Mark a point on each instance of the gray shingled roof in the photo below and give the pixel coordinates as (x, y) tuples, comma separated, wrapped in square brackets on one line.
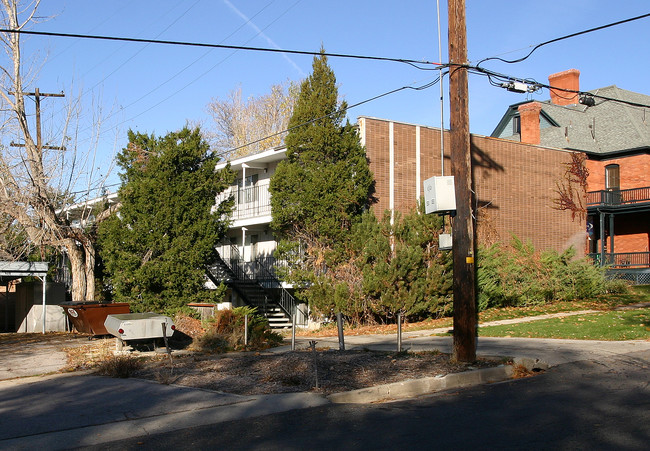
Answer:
[(606, 127)]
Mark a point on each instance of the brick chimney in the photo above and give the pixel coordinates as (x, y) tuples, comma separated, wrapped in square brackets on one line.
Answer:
[(529, 122), (569, 79)]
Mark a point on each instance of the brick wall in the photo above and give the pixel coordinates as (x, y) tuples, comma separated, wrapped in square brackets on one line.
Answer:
[(631, 230), (515, 183), (634, 172)]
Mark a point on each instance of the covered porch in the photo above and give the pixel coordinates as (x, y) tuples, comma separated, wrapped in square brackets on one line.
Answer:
[(618, 225)]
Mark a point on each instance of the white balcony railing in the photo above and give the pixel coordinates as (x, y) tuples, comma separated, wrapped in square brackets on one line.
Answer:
[(250, 202)]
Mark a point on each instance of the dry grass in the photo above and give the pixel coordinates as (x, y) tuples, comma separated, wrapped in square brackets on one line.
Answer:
[(121, 366), (323, 371), (90, 355)]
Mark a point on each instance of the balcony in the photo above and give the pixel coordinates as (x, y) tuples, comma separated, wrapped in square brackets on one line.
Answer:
[(623, 259), (250, 202), (615, 198)]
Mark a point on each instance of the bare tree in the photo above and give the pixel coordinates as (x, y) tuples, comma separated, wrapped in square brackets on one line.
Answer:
[(245, 127), (36, 179)]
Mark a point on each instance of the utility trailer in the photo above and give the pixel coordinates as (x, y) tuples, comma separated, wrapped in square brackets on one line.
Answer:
[(139, 326)]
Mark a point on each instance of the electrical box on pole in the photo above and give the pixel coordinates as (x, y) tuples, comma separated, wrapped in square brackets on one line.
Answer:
[(439, 195)]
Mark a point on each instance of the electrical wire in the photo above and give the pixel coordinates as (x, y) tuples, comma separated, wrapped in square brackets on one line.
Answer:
[(206, 53), (561, 38), (203, 74), (502, 78), (334, 113), (214, 46)]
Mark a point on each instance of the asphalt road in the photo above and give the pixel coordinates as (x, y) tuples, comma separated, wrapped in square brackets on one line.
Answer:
[(588, 404)]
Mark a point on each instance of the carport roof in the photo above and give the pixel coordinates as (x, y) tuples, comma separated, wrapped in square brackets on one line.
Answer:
[(14, 270)]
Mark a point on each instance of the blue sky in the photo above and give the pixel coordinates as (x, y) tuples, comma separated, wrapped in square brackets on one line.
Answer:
[(155, 89)]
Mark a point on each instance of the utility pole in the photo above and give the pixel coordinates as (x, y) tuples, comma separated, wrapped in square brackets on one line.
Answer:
[(37, 98), (464, 276)]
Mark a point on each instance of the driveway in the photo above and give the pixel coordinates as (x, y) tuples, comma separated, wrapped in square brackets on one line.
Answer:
[(34, 354)]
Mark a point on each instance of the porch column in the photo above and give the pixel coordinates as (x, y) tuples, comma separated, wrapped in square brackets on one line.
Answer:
[(611, 235), (602, 237), (243, 243)]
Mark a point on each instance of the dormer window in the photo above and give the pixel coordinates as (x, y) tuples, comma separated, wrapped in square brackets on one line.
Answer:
[(516, 125)]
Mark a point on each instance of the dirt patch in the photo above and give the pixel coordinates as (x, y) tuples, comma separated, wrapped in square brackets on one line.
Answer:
[(248, 373), (300, 371)]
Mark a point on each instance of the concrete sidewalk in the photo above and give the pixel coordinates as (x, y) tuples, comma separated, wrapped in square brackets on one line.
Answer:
[(551, 351)]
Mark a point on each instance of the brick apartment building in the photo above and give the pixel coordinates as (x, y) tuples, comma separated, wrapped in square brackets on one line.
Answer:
[(515, 183), (611, 127), (515, 186)]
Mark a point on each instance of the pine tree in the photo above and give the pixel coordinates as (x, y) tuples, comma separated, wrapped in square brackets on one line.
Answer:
[(325, 183), (156, 248)]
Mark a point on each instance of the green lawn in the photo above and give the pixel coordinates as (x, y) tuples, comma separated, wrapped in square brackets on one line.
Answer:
[(637, 294), (609, 325)]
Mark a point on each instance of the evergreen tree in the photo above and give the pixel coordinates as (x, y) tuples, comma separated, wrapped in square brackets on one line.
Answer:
[(156, 248), (386, 268), (325, 183)]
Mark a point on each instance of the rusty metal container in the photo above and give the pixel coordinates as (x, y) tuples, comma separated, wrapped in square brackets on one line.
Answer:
[(89, 317)]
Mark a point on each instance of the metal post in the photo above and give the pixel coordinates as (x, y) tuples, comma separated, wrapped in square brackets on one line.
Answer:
[(246, 330), (6, 329), (293, 332), (312, 346), (44, 306), (399, 332), (164, 332), (339, 321)]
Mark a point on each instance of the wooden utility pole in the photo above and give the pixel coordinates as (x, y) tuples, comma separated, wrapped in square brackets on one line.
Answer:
[(37, 98), (464, 283)]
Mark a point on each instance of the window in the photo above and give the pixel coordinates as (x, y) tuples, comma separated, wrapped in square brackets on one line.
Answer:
[(612, 177), (516, 125), (247, 191)]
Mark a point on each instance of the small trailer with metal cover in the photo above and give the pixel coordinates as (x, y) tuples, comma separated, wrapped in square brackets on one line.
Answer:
[(139, 326)]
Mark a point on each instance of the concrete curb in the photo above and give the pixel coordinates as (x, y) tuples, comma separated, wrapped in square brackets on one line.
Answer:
[(417, 387)]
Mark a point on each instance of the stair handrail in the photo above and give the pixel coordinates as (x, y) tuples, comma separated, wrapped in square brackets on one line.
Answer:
[(235, 263), (286, 301)]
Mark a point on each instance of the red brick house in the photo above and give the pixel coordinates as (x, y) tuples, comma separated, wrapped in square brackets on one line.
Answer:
[(611, 127)]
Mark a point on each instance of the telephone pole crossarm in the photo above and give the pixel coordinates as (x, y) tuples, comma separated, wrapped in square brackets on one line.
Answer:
[(37, 98)]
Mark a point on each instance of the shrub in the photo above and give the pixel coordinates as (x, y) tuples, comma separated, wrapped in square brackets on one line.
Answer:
[(383, 268), (225, 331), (520, 276), (121, 366), (617, 286)]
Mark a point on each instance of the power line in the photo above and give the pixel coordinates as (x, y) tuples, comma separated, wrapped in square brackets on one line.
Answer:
[(561, 38), (338, 111), (207, 52), (491, 75), (334, 113), (214, 46)]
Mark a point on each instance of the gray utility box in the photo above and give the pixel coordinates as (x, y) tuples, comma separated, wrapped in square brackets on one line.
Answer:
[(139, 326), (439, 194)]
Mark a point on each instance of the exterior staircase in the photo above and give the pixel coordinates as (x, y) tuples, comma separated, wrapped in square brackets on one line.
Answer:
[(257, 286)]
